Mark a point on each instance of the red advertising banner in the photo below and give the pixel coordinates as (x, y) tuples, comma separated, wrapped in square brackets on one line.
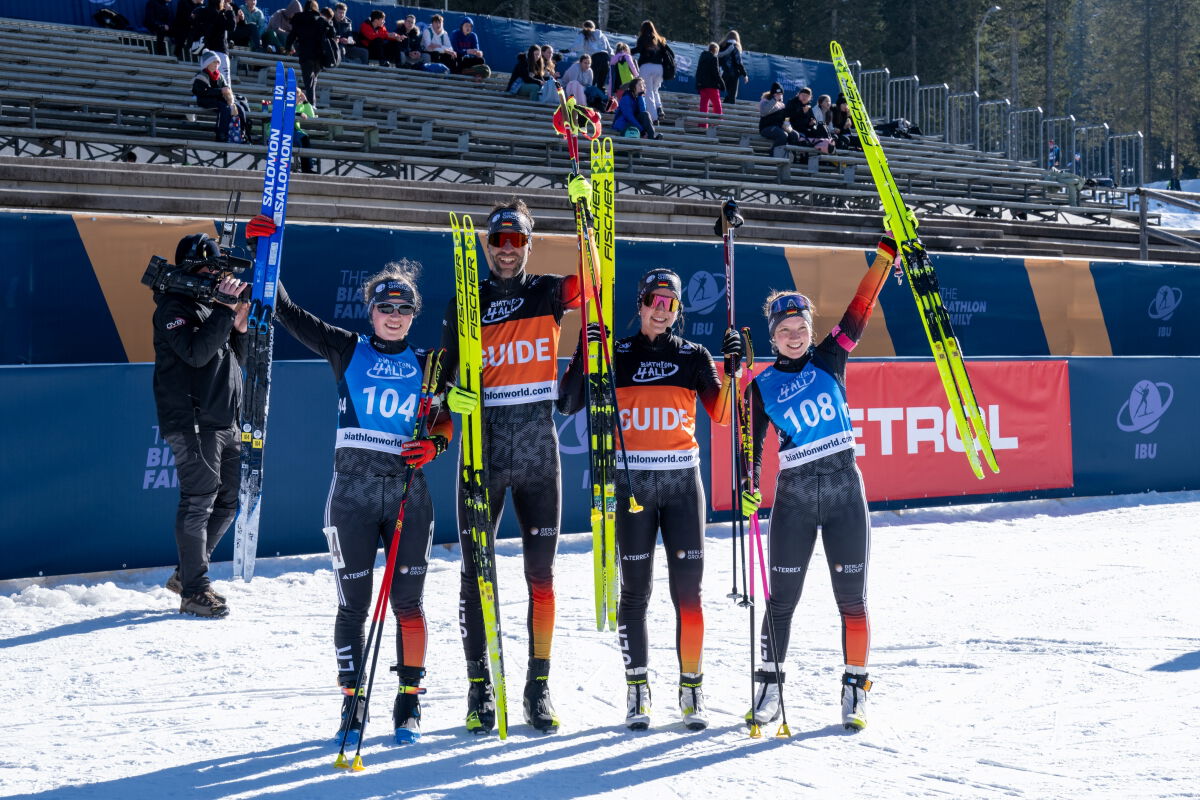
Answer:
[(908, 446)]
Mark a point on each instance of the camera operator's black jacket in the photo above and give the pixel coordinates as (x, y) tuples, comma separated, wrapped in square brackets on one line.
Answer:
[(198, 360)]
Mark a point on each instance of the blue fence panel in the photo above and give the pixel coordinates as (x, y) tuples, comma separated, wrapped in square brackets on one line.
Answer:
[(1133, 424), (1149, 309)]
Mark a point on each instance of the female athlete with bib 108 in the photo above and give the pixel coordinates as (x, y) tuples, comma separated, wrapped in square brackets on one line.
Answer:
[(803, 394), (659, 376)]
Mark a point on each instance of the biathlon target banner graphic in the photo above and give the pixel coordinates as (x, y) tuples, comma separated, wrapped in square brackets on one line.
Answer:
[(906, 441)]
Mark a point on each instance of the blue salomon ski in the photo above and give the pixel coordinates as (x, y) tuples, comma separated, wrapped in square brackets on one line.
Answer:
[(260, 341)]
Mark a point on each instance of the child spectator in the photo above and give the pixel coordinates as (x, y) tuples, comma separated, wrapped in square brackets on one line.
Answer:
[(632, 114), (251, 22), (305, 110), (211, 91), (623, 70), (469, 57), (435, 42), (709, 81)]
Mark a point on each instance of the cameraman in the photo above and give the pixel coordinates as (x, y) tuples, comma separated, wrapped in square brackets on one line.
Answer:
[(199, 346)]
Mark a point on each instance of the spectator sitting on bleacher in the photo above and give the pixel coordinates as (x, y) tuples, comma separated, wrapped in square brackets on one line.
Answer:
[(181, 28), (550, 60), (528, 74), (343, 32), (215, 22), (279, 26), (804, 122), (382, 45), (709, 81), (251, 22), (410, 43), (158, 22), (821, 111), (305, 110), (732, 66), (311, 34), (621, 71), (773, 121), (212, 91), (469, 59), (435, 42), (579, 83), (591, 41), (632, 114)]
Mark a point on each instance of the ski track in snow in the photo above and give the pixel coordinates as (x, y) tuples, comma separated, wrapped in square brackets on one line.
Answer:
[(1041, 649)]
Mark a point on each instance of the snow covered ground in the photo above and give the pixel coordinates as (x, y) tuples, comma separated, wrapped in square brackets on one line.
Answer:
[(1173, 216), (1045, 649)]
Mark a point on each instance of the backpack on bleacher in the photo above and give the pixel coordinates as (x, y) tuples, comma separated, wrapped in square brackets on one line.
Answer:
[(231, 127), (435, 68)]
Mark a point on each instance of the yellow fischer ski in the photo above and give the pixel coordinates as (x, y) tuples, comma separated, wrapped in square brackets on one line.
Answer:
[(918, 268), (479, 522)]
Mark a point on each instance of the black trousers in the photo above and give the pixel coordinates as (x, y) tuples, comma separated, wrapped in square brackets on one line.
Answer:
[(209, 467), (309, 70)]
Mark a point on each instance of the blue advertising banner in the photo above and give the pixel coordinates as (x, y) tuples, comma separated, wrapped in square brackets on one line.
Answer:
[(1150, 308), (1133, 424), (87, 484)]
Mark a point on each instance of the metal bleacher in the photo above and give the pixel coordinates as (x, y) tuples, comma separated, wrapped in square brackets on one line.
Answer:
[(405, 145)]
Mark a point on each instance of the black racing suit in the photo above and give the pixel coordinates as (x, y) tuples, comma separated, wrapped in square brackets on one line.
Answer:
[(360, 512), (657, 385), (198, 394), (818, 491), (520, 320)]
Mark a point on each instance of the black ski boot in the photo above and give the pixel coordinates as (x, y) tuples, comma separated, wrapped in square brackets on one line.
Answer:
[(538, 711), (406, 713), (481, 699), (353, 723)]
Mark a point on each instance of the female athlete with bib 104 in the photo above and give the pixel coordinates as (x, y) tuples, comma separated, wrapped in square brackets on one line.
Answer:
[(803, 394)]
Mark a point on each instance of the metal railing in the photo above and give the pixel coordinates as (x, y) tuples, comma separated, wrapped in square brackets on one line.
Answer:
[(1025, 134), (872, 85), (902, 98), (991, 126), (1125, 158), (1185, 200), (1091, 147), (1058, 132), (933, 113), (962, 119)]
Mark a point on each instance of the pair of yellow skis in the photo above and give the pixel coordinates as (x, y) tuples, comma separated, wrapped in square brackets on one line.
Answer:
[(918, 268)]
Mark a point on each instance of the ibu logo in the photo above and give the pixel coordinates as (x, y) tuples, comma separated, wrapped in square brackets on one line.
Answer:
[(1165, 301), (703, 292), (502, 309), (387, 370), (1143, 411), (649, 371)]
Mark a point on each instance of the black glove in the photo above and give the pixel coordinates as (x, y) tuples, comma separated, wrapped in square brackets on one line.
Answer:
[(731, 348), (593, 333)]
